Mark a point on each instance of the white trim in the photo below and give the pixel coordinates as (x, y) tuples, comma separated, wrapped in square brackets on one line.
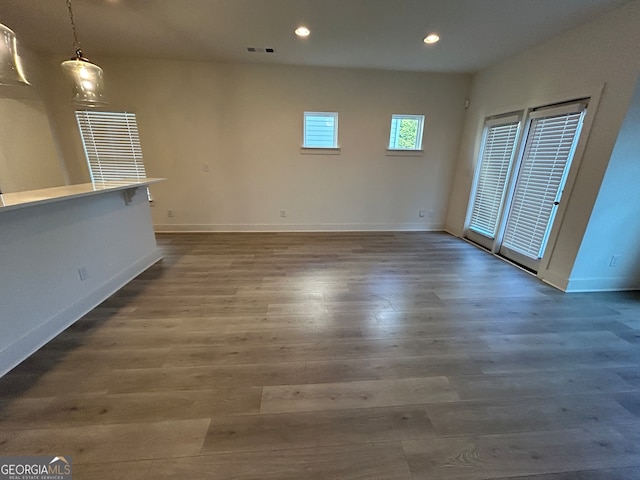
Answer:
[(544, 112), (453, 231), (603, 284), (494, 120), (419, 118), (319, 151), (307, 114), (403, 153), (292, 227), (28, 344), (553, 279)]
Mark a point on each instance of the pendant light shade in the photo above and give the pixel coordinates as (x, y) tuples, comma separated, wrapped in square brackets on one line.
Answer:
[(86, 77), (11, 72), (87, 81)]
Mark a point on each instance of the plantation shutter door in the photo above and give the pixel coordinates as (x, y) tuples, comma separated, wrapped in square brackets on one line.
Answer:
[(546, 159), (498, 149), (112, 145)]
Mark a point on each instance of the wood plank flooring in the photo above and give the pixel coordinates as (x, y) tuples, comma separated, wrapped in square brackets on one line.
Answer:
[(372, 356)]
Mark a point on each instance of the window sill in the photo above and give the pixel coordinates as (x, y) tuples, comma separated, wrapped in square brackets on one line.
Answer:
[(404, 153), (319, 151)]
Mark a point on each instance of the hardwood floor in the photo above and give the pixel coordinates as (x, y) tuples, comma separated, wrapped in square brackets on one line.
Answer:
[(336, 356)]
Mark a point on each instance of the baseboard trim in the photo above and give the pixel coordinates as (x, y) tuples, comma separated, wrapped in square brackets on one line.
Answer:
[(603, 285), (28, 344), (316, 227), (557, 281)]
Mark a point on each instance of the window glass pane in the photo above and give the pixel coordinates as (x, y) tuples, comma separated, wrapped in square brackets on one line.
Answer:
[(406, 132), (320, 130), (497, 153)]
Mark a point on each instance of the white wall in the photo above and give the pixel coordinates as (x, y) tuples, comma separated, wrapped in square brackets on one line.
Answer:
[(575, 64), (615, 222), (41, 249), (245, 123)]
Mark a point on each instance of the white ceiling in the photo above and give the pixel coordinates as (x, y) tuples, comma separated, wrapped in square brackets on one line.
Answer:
[(384, 34)]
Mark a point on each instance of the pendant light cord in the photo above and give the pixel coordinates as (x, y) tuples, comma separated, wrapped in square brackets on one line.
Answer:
[(76, 42)]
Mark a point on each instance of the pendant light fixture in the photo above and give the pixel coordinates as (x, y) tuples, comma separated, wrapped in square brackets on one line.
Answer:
[(11, 72), (87, 77)]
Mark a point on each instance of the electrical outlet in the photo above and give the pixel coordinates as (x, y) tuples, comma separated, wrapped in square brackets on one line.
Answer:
[(83, 272), (421, 213), (283, 213), (205, 167), (614, 261), (430, 214), (169, 213)]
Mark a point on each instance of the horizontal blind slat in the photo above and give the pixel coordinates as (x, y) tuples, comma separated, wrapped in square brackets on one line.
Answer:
[(112, 145), (545, 160), (495, 161)]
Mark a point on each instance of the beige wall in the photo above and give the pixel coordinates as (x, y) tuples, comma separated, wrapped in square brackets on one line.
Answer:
[(29, 159), (244, 124), (578, 63)]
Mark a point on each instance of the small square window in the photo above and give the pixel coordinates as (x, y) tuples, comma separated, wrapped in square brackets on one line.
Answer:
[(320, 130), (406, 132)]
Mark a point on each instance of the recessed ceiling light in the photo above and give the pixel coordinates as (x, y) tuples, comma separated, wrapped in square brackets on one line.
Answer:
[(431, 38), (303, 31)]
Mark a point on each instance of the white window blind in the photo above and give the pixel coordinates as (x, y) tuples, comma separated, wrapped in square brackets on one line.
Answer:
[(497, 151), (548, 153), (406, 132), (320, 130), (111, 145)]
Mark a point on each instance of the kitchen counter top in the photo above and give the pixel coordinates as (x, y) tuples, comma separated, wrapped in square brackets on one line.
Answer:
[(12, 201)]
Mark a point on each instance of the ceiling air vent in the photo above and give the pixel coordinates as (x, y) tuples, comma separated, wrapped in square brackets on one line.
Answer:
[(260, 50)]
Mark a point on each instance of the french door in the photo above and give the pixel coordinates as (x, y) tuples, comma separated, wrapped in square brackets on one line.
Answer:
[(526, 200), (494, 168)]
